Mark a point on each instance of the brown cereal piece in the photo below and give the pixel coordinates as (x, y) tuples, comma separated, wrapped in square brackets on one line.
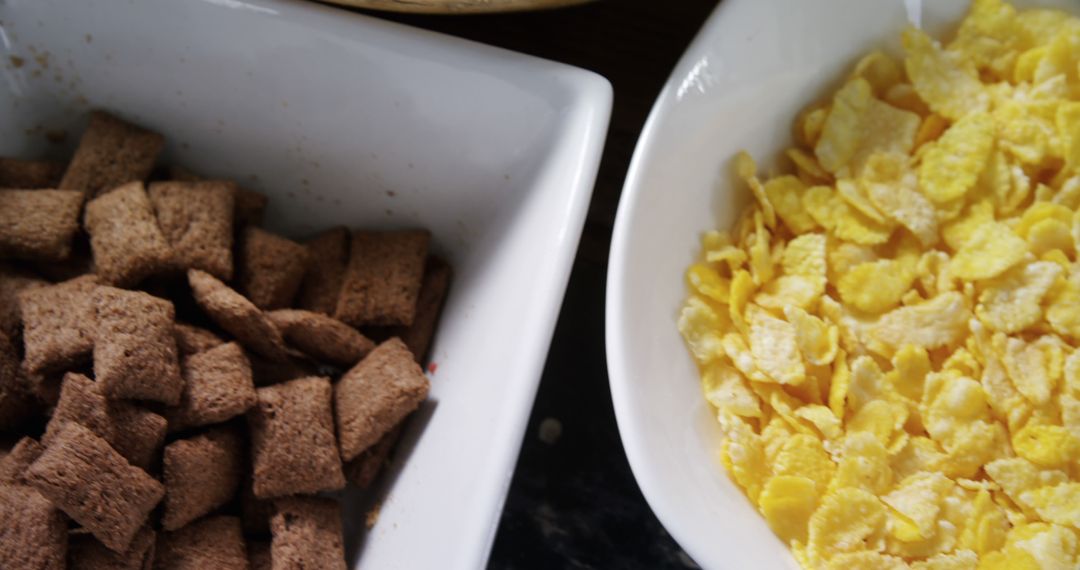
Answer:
[(30, 174), (86, 553), (234, 313), (13, 280), (201, 474), (363, 470), (13, 466), (293, 448), (127, 243), (135, 354), (87, 479), (375, 395), (328, 254), (197, 220), (217, 386), (259, 555), (213, 542), (429, 304), (134, 432), (269, 268), (321, 337), (58, 324), (16, 404), (191, 339), (33, 533), (250, 208), (383, 278), (38, 224), (111, 152), (307, 534)]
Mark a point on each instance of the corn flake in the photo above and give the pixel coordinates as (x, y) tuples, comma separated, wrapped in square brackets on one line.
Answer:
[(1013, 301), (951, 165), (848, 521), (949, 86), (990, 251), (788, 501)]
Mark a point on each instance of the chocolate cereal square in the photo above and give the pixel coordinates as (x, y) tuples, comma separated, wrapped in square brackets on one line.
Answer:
[(86, 553), (363, 470), (429, 304), (217, 386), (197, 220), (307, 534), (30, 174), (135, 355), (134, 432), (383, 278), (12, 281), (111, 152), (213, 542), (125, 238), (328, 254), (58, 324), (321, 337), (293, 448), (13, 465), (270, 268), (234, 313), (375, 395), (201, 474), (33, 533), (38, 224), (87, 479), (191, 339)]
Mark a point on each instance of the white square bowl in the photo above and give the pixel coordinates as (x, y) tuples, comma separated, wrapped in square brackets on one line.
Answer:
[(754, 66), (345, 119)]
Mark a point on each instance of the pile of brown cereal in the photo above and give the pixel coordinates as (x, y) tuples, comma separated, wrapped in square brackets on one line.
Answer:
[(181, 388)]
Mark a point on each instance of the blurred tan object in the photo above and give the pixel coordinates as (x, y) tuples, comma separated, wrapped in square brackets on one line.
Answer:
[(458, 6)]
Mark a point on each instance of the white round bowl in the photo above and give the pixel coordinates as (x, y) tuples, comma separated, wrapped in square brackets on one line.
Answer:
[(754, 66)]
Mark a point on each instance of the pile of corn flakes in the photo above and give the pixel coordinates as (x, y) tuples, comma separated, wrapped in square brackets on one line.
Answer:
[(890, 334)]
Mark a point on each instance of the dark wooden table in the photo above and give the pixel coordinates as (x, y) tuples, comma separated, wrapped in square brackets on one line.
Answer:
[(573, 502)]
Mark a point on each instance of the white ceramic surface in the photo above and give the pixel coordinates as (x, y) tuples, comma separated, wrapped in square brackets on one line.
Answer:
[(754, 66), (344, 119)]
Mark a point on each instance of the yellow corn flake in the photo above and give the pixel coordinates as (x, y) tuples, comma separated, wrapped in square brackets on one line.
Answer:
[(708, 282), (1046, 445), (856, 198), (726, 388), (881, 418), (1049, 236), (1013, 301), (938, 322), (804, 455), (812, 124), (903, 96), (1052, 547), (834, 214), (731, 255), (848, 520), (986, 527), (901, 202), (1039, 212), (864, 464), (876, 286), (742, 287), (885, 129), (949, 86), (1017, 475), (990, 251), (747, 170), (1031, 368), (776, 352), (879, 70), (972, 446), (952, 164), (702, 327), (867, 560), (1059, 504), (789, 290), (915, 504), (818, 341), (839, 139), (762, 263), (1009, 559), (805, 256), (1027, 130), (1063, 310), (785, 195), (867, 382), (744, 455), (788, 501), (918, 454), (822, 418)]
